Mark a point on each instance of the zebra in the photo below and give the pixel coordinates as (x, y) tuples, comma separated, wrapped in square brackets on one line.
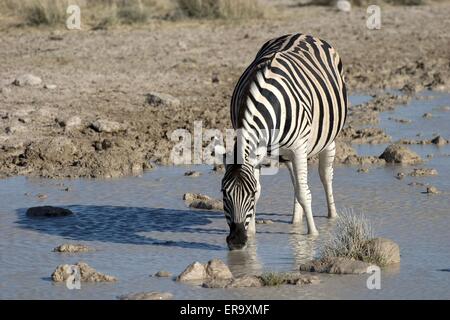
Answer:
[(294, 85)]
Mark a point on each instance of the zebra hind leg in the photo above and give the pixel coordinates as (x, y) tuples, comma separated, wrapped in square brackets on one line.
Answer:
[(300, 170), (326, 159), (297, 212)]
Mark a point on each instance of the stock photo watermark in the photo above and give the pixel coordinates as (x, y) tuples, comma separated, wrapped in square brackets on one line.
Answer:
[(74, 279), (228, 147), (373, 21), (374, 280)]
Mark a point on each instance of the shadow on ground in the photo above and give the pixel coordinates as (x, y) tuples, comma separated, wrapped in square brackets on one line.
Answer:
[(124, 225)]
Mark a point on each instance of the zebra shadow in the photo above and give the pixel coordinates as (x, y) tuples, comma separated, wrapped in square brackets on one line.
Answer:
[(131, 225)]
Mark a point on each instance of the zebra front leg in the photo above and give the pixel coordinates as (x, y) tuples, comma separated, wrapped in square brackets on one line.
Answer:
[(251, 229), (326, 159), (297, 212), (300, 169)]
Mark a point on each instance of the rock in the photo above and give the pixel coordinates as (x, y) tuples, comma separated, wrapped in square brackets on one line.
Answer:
[(70, 123), (439, 141), (147, 296), (200, 201), (264, 221), (432, 190), (163, 274), (362, 170), (41, 196), (388, 249), (216, 269), (397, 153), (400, 120), (107, 126), (418, 172), (50, 86), (48, 211), (162, 99), (27, 80), (337, 265), (193, 174), (195, 271), (400, 175), (219, 168), (87, 273), (5, 91), (344, 6), (72, 248), (215, 78), (216, 283), (245, 281), (427, 115)]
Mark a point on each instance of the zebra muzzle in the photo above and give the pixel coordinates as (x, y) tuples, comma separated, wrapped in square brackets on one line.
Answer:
[(237, 239)]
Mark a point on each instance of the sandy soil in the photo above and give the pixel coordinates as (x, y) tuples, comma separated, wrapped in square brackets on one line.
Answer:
[(106, 75)]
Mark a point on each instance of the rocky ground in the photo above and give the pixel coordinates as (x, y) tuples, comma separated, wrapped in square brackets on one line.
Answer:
[(100, 105)]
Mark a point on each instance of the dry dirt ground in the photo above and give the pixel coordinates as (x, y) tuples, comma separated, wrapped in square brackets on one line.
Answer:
[(106, 75)]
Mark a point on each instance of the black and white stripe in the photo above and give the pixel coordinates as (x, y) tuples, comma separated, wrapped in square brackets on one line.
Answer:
[(296, 86)]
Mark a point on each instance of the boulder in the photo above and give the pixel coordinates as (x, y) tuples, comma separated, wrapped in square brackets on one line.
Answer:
[(397, 153), (194, 272), (72, 248), (147, 296), (217, 269), (162, 99), (386, 248), (48, 211), (27, 80), (87, 273)]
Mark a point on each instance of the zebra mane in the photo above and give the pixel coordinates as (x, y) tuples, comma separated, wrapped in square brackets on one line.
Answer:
[(239, 174)]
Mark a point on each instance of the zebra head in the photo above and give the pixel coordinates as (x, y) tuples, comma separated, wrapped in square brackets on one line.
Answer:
[(239, 187)]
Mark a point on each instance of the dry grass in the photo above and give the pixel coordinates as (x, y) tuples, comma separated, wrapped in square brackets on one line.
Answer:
[(220, 9), (353, 233), (97, 13)]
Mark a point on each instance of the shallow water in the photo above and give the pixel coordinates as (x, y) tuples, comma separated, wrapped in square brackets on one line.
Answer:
[(140, 225)]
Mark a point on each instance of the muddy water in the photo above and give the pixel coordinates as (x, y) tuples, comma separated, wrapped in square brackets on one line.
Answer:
[(140, 225)]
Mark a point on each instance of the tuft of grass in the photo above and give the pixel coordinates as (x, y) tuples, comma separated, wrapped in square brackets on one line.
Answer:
[(44, 12), (272, 279), (220, 9), (132, 12), (351, 238)]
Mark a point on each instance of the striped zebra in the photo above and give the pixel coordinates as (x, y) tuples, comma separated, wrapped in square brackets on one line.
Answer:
[(296, 86)]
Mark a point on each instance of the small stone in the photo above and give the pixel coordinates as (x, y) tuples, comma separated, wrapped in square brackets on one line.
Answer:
[(344, 6), (107, 126), (70, 123), (264, 221), (432, 190), (200, 201), (194, 272), (41, 196), (362, 170), (418, 172), (427, 115), (192, 174), (87, 273), (163, 274), (147, 296), (48, 211), (50, 86), (72, 248), (219, 168), (27, 80), (162, 99), (439, 141), (215, 78), (400, 175)]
